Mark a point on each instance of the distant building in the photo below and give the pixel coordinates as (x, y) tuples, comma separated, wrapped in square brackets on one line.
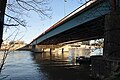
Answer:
[(12, 45)]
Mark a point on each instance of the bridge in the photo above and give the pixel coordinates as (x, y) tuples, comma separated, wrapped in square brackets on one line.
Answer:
[(86, 22), (94, 19)]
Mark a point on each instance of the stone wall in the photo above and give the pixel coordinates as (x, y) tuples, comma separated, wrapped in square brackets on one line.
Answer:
[(105, 69)]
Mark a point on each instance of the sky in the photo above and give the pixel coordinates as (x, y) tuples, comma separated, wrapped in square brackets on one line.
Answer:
[(60, 9)]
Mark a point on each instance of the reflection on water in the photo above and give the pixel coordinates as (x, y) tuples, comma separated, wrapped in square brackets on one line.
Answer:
[(25, 65), (19, 66)]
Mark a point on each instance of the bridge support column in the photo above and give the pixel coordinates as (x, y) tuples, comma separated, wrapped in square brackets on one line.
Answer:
[(33, 48), (36, 48), (62, 50), (112, 46), (43, 50), (109, 64), (62, 53), (50, 53), (112, 36)]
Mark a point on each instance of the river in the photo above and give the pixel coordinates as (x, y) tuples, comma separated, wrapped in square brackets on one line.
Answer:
[(26, 65)]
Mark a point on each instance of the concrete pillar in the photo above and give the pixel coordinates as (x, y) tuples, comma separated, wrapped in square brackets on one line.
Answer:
[(111, 65), (43, 50), (38, 48), (112, 36), (33, 47), (50, 53), (62, 50), (62, 53)]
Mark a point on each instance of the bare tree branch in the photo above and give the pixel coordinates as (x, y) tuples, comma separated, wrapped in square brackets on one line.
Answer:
[(33, 6), (11, 24), (20, 22), (17, 10)]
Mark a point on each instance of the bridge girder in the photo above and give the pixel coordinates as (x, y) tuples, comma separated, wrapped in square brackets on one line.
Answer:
[(91, 30)]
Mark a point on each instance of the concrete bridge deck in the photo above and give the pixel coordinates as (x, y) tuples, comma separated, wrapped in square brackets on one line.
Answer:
[(86, 22)]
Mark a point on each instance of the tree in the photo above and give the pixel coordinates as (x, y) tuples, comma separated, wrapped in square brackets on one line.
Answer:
[(17, 10), (2, 12), (13, 13)]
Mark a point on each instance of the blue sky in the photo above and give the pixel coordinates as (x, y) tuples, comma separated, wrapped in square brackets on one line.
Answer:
[(38, 25)]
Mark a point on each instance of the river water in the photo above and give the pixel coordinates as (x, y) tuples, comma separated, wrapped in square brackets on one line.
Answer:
[(26, 65)]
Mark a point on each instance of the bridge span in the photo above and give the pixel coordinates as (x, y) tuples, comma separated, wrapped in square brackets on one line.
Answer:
[(95, 19), (86, 22)]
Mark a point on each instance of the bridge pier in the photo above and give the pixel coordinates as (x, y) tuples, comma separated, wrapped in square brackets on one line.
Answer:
[(108, 66), (43, 50), (112, 45), (36, 48), (62, 53), (50, 53), (33, 48), (62, 50), (112, 36)]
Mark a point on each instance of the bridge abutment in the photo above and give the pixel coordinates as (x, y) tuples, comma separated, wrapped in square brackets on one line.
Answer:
[(36, 48), (108, 66), (112, 36), (112, 45)]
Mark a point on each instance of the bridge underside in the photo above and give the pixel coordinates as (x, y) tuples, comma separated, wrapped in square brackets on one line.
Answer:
[(93, 29)]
